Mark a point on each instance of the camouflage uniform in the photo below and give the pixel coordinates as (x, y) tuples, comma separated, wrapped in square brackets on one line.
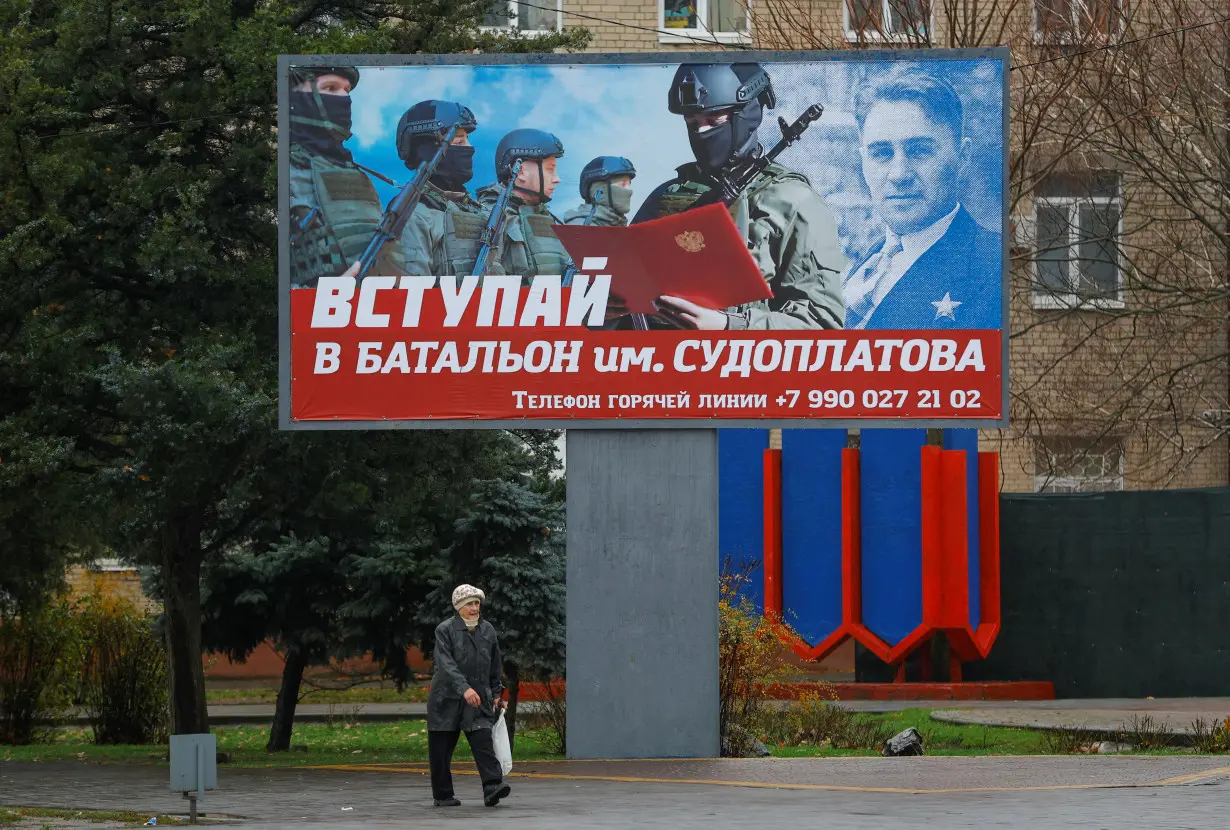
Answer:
[(443, 235), (603, 216), (792, 236), (790, 232), (529, 246), (333, 195)]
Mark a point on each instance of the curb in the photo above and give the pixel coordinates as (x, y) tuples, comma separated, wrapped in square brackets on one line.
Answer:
[(1180, 737)]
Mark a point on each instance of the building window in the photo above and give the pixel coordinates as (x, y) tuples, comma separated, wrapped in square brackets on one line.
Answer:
[(887, 19), (107, 565), (1075, 21), (687, 21), (1077, 230), (531, 18), (1076, 465)]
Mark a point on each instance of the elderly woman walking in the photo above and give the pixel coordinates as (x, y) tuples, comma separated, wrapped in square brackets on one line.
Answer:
[(466, 684)]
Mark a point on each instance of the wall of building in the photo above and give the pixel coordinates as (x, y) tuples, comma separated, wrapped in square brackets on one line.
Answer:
[(118, 583), (637, 33), (263, 667)]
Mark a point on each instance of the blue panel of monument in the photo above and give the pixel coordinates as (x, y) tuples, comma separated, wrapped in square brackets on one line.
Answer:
[(811, 530), (891, 485), (741, 504)]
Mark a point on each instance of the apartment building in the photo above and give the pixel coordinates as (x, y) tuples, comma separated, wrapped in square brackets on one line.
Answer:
[(1119, 375)]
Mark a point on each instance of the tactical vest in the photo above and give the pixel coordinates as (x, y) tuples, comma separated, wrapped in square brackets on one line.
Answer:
[(349, 212), (604, 216), (681, 195), (530, 246), (463, 229)]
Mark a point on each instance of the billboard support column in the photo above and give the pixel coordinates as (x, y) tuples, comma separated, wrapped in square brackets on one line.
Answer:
[(642, 593)]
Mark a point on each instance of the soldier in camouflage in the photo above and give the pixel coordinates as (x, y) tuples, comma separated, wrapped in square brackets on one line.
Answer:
[(529, 246), (792, 235), (442, 236), (606, 193), (334, 207)]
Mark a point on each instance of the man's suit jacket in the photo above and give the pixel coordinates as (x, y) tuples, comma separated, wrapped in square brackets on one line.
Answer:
[(965, 265)]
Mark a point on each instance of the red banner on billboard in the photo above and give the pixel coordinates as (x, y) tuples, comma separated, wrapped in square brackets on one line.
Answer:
[(414, 352)]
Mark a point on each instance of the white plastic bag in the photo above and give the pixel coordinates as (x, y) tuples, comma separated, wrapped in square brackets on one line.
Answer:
[(503, 749)]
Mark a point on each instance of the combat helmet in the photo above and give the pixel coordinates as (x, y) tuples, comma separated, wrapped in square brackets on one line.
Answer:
[(426, 121), (602, 169), (740, 90), (418, 138), (527, 145)]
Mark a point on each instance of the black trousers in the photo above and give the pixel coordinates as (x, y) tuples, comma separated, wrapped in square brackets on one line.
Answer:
[(440, 746)]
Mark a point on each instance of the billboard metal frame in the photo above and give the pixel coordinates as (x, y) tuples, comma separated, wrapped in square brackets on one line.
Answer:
[(285, 62)]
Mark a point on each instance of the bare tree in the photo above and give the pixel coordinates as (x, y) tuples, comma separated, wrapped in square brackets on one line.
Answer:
[(1118, 198)]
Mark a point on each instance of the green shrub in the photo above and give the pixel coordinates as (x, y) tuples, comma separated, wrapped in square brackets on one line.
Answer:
[(750, 649), (815, 720), (554, 712), (40, 656), (1210, 737), (125, 674)]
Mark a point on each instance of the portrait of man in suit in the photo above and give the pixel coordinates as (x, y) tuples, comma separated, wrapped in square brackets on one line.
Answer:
[(937, 267)]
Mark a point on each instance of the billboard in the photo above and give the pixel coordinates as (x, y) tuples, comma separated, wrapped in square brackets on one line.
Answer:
[(716, 239)]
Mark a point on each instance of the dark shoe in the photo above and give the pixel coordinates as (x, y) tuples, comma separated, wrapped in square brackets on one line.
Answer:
[(493, 794), (447, 802)]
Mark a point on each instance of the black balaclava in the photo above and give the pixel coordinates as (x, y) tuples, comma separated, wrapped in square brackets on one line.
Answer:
[(731, 142), (456, 166), (321, 122)]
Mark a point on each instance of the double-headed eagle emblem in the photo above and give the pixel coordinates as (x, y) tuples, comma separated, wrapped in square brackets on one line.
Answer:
[(691, 241)]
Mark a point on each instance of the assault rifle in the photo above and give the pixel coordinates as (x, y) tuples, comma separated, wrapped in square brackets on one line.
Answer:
[(398, 213), (493, 231), (731, 184)]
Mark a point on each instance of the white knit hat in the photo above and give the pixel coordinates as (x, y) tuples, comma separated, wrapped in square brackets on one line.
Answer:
[(466, 593)]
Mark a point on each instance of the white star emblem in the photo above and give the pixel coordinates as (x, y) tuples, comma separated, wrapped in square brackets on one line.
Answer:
[(946, 307)]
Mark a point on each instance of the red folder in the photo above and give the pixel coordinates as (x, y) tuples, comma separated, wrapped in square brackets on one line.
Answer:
[(697, 255)]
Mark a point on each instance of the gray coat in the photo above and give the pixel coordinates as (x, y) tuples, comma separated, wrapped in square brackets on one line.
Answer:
[(464, 660)]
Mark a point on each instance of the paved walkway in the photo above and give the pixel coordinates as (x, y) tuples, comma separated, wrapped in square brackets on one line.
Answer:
[(837, 794), (1174, 715)]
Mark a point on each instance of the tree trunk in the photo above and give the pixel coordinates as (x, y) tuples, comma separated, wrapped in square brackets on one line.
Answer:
[(288, 699), (181, 576), (514, 692)]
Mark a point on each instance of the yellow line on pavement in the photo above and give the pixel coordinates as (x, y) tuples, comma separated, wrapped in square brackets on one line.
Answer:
[(422, 769), (1194, 778)]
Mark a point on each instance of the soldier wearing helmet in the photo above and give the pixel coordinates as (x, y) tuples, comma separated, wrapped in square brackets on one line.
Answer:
[(529, 246), (792, 235), (442, 236), (606, 193), (334, 207)]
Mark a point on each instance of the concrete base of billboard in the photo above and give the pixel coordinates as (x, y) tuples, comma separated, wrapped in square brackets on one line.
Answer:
[(642, 594)]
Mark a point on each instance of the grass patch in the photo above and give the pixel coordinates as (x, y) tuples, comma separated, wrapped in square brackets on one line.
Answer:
[(413, 694), (938, 738), (372, 743), (14, 815), (406, 741)]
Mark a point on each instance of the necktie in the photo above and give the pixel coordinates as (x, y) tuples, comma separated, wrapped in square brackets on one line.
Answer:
[(873, 275)]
